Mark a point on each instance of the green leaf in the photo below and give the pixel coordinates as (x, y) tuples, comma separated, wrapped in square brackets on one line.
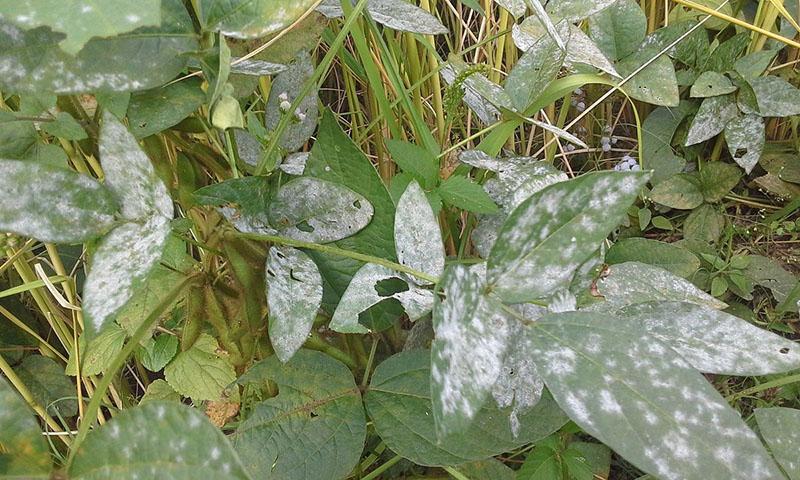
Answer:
[(49, 385), (717, 179), (668, 256), (780, 428), (516, 8), (724, 56), (251, 18), (576, 9), (286, 88), (399, 403), (714, 114), (53, 204), (158, 109), (415, 160), (754, 64), (294, 294), (159, 389), (200, 372), (313, 430), (710, 340), (417, 236), (534, 71), (226, 112), (745, 138), (101, 351), (84, 21), (66, 127), (596, 455), (619, 29), (115, 102), (248, 197), (158, 352), (25, 453), (681, 191), (489, 468), (637, 396), (144, 58), (319, 211), (711, 84), (633, 282), (770, 274), (657, 131), (704, 223), (719, 285), (542, 463), (655, 84), (554, 231), (157, 440), (463, 193), (776, 97)]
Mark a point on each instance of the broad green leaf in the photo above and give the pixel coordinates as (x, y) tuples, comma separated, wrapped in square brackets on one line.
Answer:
[(554, 231), (158, 109), (776, 97), (158, 352), (101, 351), (25, 453), (114, 102), (704, 223), (147, 57), (415, 160), (155, 441), (251, 18), (82, 21), (516, 8), (314, 429), (399, 403), (53, 204), (745, 138), (681, 191), (473, 332), (637, 396), (227, 112), (201, 372), (249, 148), (769, 273), (710, 340), (158, 390), (633, 282), (668, 256), (64, 126), (294, 294), (657, 131), (784, 165), (534, 71), (417, 236), (573, 10), (489, 468), (544, 462), (714, 114), (245, 202), (717, 179), (596, 455), (363, 293), (463, 193), (655, 84), (285, 89), (395, 14), (780, 428), (679, 13), (711, 84), (619, 29), (754, 64), (49, 385), (319, 211)]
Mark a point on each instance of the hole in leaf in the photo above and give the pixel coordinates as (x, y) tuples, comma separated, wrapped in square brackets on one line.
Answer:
[(740, 152), (357, 204), (390, 286), (305, 227), (280, 254), (784, 350), (293, 276), (270, 272), (313, 414)]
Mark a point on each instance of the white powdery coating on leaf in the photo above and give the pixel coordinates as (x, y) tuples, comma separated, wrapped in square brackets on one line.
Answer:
[(417, 236), (286, 88), (711, 118), (745, 139), (294, 294), (255, 67), (486, 112), (780, 427), (519, 384), (395, 14), (295, 164), (122, 261)]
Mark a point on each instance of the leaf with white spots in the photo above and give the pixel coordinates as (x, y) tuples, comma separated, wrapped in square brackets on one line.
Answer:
[(656, 83), (256, 67), (53, 204), (417, 236), (780, 428), (148, 57), (516, 8), (395, 14), (745, 138), (399, 402), (633, 282), (364, 291), (25, 453), (710, 340), (314, 429), (284, 91), (519, 385), (473, 332), (574, 10), (534, 71), (776, 97), (636, 395), (251, 18), (474, 87), (549, 235), (711, 84), (158, 440), (82, 21), (202, 372), (294, 294), (710, 120), (314, 210)]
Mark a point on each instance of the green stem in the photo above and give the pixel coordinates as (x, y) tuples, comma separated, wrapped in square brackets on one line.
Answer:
[(315, 342), (386, 466), (765, 386), (370, 360), (456, 474), (94, 404), (337, 251)]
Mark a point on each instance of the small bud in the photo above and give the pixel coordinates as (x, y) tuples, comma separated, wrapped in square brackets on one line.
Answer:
[(283, 97), (606, 147), (285, 106)]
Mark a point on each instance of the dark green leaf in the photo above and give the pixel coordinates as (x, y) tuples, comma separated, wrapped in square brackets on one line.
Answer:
[(704, 223), (49, 385), (668, 256), (717, 179), (155, 110), (417, 161), (25, 453)]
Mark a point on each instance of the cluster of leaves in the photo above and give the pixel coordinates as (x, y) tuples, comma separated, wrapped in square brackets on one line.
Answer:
[(547, 336)]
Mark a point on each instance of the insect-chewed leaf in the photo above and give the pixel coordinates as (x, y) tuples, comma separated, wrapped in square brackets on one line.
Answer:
[(554, 231), (53, 204), (251, 18), (319, 211), (32, 60), (161, 440), (534, 72), (399, 403), (473, 332), (395, 14), (294, 294), (710, 340), (417, 236), (286, 88), (780, 428), (633, 282), (313, 430), (25, 453), (200, 372), (362, 293), (652, 408)]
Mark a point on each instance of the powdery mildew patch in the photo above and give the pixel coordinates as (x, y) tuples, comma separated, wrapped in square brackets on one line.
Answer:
[(286, 88), (519, 385), (294, 294), (780, 427), (395, 14), (252, 18), (417, 237), (711, 118), (745, 139)]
